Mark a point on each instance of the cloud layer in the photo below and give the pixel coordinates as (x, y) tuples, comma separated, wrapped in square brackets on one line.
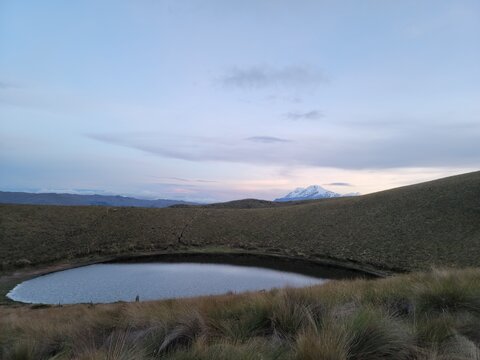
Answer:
[(426, 147)]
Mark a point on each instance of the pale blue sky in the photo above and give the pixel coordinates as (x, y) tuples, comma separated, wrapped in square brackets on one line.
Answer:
[(217, 100)]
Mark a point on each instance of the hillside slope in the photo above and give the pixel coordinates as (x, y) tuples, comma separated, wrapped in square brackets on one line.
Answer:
[(413, 227), (248, 204)]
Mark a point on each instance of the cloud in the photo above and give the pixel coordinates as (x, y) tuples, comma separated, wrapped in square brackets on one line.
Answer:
[(185, 180), (205, 181), (72, 191), (338, 184), (259, 77), (6, 85), (422, 146), (267, 139), (309, 115), (197, 148)]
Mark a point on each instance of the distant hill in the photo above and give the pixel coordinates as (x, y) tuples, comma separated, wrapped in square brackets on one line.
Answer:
[(244, 204), (299, 196), (83, 200), (248, 204), (235, 204), (312, 192)]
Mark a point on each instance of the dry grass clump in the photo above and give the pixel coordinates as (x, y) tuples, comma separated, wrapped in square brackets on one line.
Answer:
[(367, 334), (295, 311), (183, 332), (445, 292), (374, 335), (254, 349), (430, 316), (239, 321), (329, 343)]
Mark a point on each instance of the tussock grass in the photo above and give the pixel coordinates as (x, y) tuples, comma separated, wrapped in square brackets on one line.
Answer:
[(294, 311), (255, 349), (240, 321), (190, 327), (445, 292), (329, 343), (367, 334), (434, 317), (373, 335)]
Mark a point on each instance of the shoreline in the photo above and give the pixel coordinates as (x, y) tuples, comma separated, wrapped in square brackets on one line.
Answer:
[(336, 269)]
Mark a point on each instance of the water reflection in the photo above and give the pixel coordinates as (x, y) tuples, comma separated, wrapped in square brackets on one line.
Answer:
[(104, 283)]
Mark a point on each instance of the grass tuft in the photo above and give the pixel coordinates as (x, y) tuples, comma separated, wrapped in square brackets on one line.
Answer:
[(373, 335), (292, 312), (240, 321), (184, 332), (331, 343), (447, 292)]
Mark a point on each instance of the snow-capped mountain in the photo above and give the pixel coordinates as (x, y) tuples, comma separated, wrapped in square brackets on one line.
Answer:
[(312, 192)]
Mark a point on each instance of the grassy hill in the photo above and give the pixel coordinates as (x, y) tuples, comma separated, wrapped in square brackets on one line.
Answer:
[(423, 316), (246, 204), (403, 229), (236, 204)]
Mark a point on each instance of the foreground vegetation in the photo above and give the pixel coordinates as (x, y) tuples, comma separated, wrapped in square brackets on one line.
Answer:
[(434, 315)]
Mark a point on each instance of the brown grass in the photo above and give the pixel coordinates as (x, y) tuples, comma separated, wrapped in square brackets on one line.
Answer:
[(340, 320), (404, 229)]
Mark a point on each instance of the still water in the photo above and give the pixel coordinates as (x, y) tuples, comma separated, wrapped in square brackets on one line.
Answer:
[(105, 283)]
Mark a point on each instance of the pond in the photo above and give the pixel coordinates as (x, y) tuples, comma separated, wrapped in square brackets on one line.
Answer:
[(171, 277)]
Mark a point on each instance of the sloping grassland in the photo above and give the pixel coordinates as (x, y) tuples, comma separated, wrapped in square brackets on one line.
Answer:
[(408, 228)]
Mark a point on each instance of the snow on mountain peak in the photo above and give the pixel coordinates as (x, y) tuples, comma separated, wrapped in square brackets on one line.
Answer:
[(311, 192)]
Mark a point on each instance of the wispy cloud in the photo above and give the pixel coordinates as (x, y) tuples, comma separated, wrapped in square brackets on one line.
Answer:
[(72, 191), (308, 115), (267, 139), (426, 147), (185, 180), (259, 77), (338, 184)]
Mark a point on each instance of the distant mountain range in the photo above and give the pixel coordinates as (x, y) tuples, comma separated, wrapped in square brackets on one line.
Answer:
[(6, 197), (84, 200), (312, 192)]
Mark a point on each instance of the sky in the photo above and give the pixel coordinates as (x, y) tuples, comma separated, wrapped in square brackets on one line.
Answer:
[(213, 100)]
